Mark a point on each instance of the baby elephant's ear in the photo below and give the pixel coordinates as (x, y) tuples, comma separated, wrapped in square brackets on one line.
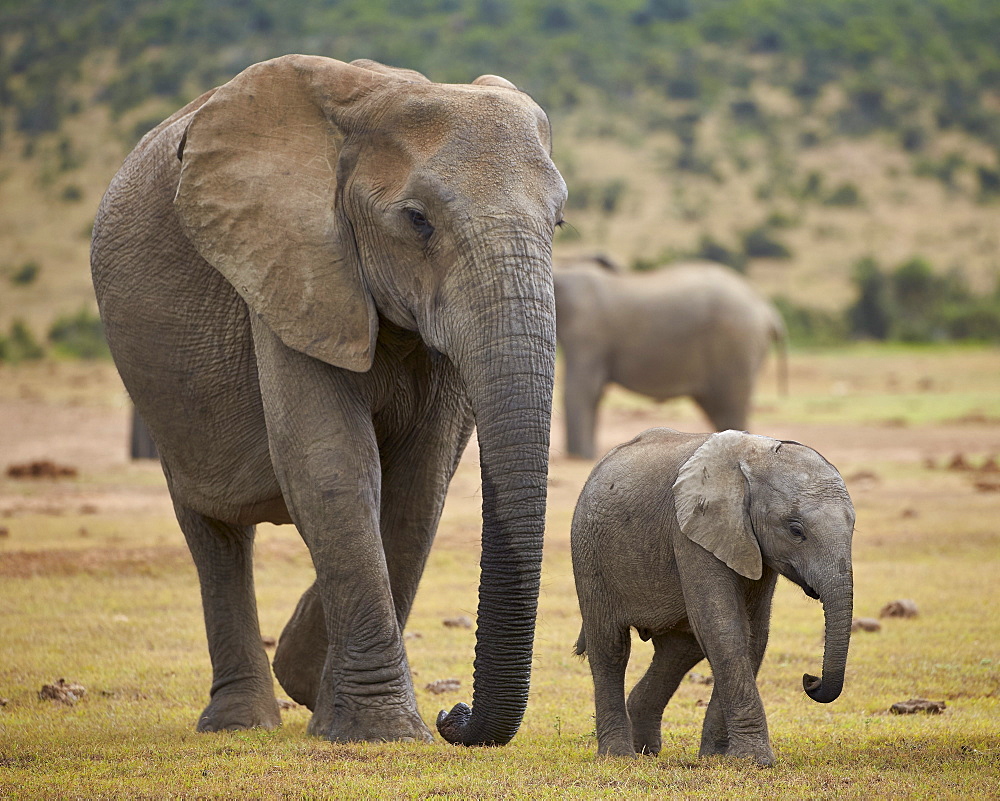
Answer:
[(711, 499)]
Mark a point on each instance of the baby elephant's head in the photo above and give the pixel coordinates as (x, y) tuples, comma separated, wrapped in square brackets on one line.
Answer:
[(754, 500)]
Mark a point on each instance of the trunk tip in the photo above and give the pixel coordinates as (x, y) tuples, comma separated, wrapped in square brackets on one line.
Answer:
[(458, 728), (818, 691), (452, 725)]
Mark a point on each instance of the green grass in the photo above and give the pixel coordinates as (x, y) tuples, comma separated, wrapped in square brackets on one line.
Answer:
[(118, 611)]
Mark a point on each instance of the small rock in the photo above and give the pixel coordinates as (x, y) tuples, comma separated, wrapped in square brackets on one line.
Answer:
[(443, 686), (901, 608), (698, 678), (62, 691), (701, 703), (268, 641), (958, 463), (460, 622), (865, 624), (915, 705)]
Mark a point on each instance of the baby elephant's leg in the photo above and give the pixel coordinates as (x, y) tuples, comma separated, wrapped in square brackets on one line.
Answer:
[(608, 651), (674, 655)]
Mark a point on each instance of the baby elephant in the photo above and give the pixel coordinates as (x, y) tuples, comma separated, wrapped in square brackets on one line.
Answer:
[(682, 536)]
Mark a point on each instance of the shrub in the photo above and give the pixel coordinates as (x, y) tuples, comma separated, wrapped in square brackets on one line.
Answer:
[(844, 195), (79, 336), (869, 316), (72, 194), (760, 243), (25, 274), (807, 325), (713, 250), (20, 344), (989, 182)]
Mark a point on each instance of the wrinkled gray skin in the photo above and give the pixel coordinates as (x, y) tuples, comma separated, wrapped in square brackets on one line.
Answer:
[(694, 329), (682, 537), (314, 280)]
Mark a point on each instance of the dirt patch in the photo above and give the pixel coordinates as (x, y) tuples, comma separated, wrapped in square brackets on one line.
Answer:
[(42, 468), (93, 561)]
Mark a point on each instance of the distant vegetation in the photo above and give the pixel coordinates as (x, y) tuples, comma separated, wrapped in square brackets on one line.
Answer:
[(889, 56), (74, 336), (719, 95)]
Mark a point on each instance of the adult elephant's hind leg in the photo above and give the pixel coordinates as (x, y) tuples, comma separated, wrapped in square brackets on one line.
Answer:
[(301, 651), (242, 694)]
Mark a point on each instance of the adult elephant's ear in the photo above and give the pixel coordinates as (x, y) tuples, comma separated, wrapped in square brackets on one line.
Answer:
[(711, 500), (257, 197)]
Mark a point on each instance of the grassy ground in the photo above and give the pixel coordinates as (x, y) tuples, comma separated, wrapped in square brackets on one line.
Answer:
[(97, 587)]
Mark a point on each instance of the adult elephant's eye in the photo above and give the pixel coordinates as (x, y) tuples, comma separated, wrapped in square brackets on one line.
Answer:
[(420, 222), (797, 531)]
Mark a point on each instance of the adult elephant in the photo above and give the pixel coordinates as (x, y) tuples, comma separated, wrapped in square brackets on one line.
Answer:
[(696, 329), (314, 280)]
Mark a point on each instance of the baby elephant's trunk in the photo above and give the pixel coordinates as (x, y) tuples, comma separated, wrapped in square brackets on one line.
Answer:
[(838, 603)]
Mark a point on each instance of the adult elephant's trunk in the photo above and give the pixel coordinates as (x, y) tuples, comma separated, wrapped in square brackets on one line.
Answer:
[(838, 605), (506, 355)]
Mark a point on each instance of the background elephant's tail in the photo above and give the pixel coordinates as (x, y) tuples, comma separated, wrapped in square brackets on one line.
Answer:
[(779, 333), (581, 644)]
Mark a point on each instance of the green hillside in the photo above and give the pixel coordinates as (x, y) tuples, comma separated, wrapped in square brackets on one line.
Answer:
[(790, 139)]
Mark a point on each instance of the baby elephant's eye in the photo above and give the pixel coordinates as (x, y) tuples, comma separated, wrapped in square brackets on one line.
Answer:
[(419, 221), (797, 531)]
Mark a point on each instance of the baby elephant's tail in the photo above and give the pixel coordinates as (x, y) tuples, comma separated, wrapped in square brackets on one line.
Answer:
[(581, 644)]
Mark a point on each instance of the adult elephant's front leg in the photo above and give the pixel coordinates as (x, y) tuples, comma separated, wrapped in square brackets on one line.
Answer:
[(417, 466), (325, 456)]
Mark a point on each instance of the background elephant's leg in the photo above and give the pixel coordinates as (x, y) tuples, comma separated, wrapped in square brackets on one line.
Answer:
[(242, 689), (582, 390), (726, 404), (674, 654), (608, 650)]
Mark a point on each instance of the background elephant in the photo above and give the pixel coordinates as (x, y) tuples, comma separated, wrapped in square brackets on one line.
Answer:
[(313, 280), (682, 536), (695, 329)]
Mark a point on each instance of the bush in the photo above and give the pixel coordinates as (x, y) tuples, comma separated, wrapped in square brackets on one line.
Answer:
[(810, 326), (79, 336), (713, 250), (20, 344), (760, 243), (844, 195), (913, 304), (25, 274)]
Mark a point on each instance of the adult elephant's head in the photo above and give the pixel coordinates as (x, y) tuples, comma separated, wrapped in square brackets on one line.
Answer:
[(332, 195)]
